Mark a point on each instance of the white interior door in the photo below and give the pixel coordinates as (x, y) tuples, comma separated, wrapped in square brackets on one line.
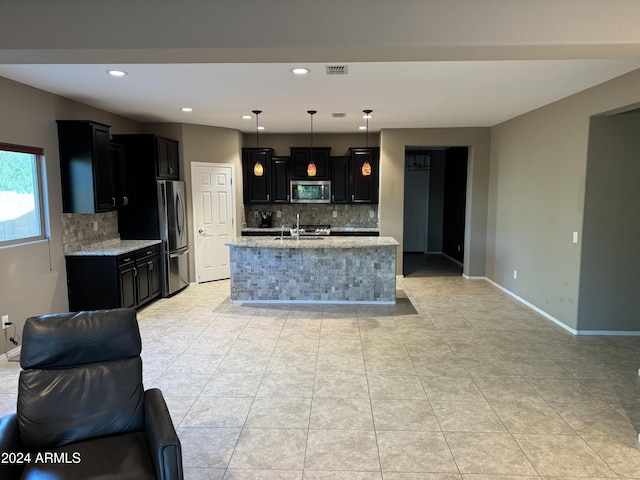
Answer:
[(213, 212)]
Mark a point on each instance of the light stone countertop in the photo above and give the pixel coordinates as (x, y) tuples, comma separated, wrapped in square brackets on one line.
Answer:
[(112, 248), (313, 242)]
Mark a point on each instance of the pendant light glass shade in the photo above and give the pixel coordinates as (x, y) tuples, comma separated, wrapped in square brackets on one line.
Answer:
[(258, 169), (311, 167)]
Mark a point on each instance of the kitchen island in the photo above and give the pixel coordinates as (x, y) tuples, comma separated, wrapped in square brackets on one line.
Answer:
[(358, 270)]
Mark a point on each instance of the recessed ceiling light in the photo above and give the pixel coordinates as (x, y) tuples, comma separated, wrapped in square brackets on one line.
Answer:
[(362, 128), (187, 109), (247, 117), (261, 128), (300, 70), (117, 73)]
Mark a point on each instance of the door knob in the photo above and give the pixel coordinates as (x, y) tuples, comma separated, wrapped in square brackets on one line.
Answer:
[(201, 231)]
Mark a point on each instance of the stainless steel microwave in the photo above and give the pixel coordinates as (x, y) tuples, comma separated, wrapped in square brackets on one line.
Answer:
[(310, 191)]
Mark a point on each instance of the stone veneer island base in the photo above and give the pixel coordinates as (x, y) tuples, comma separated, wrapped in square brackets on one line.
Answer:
[(357, 270)]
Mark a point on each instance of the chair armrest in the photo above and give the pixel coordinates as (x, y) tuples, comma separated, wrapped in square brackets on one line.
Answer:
[(163, 439), (10, 443)]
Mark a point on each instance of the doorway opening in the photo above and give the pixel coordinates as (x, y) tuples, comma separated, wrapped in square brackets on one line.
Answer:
[(435, 185)]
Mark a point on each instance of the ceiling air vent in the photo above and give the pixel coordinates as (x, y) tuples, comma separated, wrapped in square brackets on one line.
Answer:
[(339, 115), (337, 69)]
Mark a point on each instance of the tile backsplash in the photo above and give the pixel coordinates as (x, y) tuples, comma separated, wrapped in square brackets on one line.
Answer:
[(316, 214), (84, 229)]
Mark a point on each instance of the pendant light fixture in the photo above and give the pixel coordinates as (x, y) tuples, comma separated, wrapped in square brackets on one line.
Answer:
[(311, 167), (258, 169), (366, 166)]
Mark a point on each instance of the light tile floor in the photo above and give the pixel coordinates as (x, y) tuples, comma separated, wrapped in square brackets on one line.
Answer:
[(456, 380)]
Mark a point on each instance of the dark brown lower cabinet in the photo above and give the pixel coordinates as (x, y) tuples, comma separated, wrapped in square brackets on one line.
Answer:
[(113, 281)]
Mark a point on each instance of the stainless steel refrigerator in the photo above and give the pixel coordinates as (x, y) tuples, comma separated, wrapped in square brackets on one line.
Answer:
[(173, 233)]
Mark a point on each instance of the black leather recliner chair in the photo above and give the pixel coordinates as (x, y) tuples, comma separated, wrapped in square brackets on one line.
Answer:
[(82, 410)]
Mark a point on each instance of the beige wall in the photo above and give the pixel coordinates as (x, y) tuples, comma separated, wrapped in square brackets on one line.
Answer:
[(211, 145), (33, 277), (392, 148), (609, 265), (537, 188)]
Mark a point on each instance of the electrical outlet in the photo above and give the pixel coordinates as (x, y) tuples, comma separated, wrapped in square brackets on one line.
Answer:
[(335, 213), (575, 237), (278, 213), (372, 213), (95, 225), (5, 321), (515, 274)]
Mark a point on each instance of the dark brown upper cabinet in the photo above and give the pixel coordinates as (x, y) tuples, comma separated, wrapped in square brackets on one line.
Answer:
[(256, 175), (301, 157), (364, 188), (340, 180), (280, 180), (91, 168), (153, 156)]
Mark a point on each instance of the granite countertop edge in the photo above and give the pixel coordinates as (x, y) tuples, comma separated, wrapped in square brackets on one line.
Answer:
[(314, 242), (111, 248)]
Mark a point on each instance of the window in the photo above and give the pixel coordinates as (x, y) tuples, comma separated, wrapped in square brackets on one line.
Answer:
[(21, 199)]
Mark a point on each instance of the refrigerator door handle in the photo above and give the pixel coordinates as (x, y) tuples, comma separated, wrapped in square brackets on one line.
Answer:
[(177, 254), (180, 216), (180, 210)]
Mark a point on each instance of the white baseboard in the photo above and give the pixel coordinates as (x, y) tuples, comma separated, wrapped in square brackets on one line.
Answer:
[(534, 308), (627, 333), (12, 355), (470, 277), (449, 257)]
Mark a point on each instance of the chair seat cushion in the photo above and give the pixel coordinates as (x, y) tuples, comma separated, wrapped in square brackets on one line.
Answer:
[(117, 457)]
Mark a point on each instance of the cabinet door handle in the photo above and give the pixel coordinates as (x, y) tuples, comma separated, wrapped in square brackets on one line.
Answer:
[(125, 200), (333, 198), (287, 198), (171, 170), (353, 197), (150, 265), (268, 197), (135, 272), (113, 201)]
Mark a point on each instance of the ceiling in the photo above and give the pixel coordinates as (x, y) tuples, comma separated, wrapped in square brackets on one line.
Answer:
[(415, 63), (401, 94)]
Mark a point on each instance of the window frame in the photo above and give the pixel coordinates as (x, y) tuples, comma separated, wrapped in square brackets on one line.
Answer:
[(39, 199)]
